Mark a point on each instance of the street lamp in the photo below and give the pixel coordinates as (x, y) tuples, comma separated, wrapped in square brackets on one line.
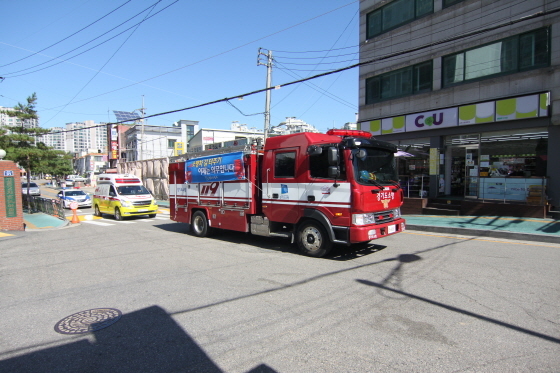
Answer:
[(2, 154)]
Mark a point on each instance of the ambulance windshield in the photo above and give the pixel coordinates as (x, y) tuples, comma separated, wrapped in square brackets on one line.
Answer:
[(373, 166), (128, 190)]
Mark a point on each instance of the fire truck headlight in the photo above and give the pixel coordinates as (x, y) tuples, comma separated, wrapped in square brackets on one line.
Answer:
[(397, 213), (363, 219)]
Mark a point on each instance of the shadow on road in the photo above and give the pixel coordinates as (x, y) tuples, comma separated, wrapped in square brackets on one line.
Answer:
[(148, 340), (339, 252)]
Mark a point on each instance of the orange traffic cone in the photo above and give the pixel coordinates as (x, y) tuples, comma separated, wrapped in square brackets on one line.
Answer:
[(74, 207)]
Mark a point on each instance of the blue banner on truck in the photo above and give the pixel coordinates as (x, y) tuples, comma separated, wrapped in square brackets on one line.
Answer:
[(222, 167)]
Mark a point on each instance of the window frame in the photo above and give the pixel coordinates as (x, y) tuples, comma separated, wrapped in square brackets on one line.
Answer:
[(517, 59), (379, 12), (448, 3), (414, 83), (293, 165)]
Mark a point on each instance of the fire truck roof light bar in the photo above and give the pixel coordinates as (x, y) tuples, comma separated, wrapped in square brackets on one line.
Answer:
[(349, 133)]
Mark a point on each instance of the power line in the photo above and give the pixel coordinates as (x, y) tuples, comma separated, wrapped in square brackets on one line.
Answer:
[(106, 62), (219, 54), (95, 46), (391, 55), (68, 37)]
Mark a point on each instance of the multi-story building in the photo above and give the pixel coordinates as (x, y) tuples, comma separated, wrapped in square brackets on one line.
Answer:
[(292, 125), (150, 142), (207, 138), (90, 164), (470, 89), (7, 121), (56, 139), (85, 137)]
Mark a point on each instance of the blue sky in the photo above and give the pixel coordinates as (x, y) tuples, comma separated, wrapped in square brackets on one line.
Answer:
[(188, 54)]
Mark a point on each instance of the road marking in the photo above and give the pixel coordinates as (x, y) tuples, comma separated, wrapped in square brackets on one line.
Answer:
[(123, 221), (96, 223), (5, 234)]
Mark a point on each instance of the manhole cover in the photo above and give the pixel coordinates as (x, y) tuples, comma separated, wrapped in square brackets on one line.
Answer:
[(88, 321)]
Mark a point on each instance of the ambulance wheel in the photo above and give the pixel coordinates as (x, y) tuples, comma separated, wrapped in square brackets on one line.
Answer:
[(312, 239), (118, 215), (199, 225), (97, 212)]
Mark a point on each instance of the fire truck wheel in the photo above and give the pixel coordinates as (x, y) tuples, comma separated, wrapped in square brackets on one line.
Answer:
[(199, 225), (312, 239), (97, 212), (118, 215)]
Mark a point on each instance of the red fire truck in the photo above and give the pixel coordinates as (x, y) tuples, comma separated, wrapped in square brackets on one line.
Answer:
[(315, 189)]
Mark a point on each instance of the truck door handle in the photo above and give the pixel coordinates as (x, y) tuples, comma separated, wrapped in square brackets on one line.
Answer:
[(311, 198), (274, 195)]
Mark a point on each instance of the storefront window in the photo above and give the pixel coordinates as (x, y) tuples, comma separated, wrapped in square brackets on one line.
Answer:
[(413, 165), (497, 165), (512, 153)]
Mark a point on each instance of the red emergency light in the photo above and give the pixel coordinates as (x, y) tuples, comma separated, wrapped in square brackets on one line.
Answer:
[(349, 133)]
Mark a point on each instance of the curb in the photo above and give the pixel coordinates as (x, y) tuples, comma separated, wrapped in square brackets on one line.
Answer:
[(486, 233)]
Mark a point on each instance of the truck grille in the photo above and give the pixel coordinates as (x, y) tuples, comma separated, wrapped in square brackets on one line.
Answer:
[(142, 203), (384, 217)]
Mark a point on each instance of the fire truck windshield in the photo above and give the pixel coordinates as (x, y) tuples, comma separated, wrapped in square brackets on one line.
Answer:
[(374, 166)]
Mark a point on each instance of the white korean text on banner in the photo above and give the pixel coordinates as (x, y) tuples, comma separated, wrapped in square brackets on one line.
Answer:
[(222, 167)]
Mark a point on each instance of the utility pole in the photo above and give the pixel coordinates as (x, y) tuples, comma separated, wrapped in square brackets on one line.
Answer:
[(268, 65), (142, 112)]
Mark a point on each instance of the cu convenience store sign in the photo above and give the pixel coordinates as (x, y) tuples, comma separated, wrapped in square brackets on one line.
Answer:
[(524, 107)]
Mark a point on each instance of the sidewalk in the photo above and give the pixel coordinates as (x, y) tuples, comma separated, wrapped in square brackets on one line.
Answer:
[(526, 229), (40, 221)]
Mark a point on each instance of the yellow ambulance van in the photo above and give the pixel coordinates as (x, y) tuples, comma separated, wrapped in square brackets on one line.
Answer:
[(123, 195)]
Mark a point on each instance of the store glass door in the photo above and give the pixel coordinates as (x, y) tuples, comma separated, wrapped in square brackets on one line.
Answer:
[(471, 171)]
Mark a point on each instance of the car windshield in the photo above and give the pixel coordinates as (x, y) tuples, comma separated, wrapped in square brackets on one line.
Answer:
[(74, 193), (374, 166), (128, 190), (31, 185)]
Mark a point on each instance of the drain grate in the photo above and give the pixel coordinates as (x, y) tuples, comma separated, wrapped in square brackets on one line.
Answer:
[(88, 321)]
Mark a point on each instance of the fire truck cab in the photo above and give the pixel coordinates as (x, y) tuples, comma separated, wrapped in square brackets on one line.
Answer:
[(314, 189)]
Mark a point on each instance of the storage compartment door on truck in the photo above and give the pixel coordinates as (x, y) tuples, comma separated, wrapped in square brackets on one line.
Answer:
[(235, 204), (281, 191)]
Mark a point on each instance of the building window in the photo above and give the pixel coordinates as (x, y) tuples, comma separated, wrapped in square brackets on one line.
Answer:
[(285, 164), (517, 53), (447, 3), (171, 143), (395, 14), (403, 82)]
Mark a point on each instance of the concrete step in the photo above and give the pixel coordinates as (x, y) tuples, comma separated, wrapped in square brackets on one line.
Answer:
[(439, 211), (443, 206)]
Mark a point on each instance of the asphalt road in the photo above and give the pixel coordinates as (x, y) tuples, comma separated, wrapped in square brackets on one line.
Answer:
[(414, 302)]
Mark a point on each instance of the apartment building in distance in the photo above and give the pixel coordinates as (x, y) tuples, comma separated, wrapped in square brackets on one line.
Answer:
[(7, 121), (470, 89)]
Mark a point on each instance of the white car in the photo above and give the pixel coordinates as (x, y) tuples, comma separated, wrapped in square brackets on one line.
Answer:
[(33, 189), (74, 195)]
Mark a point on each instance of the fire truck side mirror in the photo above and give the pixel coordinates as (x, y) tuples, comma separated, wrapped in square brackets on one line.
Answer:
[(334, 172), (314, 150), (333, 156)]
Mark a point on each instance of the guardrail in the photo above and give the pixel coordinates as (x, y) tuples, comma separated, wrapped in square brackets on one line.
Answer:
[(46, 205)]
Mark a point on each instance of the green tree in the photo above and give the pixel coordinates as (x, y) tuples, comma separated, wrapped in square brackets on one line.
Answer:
[(20, 142)]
